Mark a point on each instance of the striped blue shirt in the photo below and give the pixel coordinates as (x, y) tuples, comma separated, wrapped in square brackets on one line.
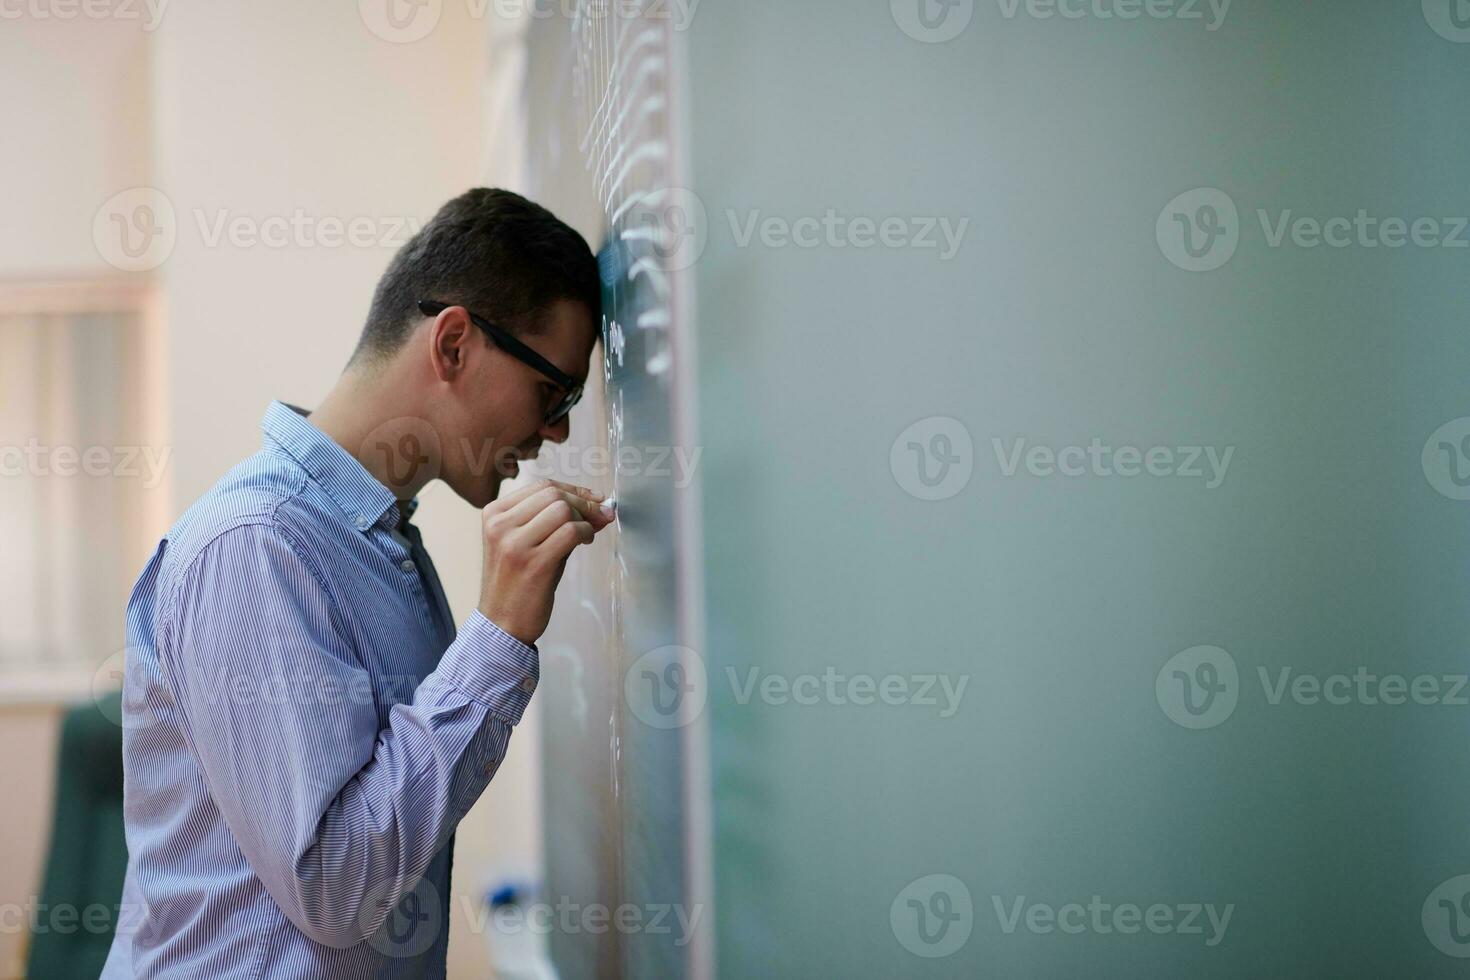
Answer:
[(304, 728)]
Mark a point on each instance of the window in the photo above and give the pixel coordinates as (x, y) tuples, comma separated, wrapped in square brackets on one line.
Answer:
[(84, 477)]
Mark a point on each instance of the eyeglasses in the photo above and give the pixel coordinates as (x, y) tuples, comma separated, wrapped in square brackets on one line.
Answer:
[(572, 391)]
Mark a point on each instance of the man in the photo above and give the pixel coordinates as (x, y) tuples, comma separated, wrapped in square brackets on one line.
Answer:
[(304, 724)]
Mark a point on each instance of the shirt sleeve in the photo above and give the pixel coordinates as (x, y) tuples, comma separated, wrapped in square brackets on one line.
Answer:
[(338, 817)]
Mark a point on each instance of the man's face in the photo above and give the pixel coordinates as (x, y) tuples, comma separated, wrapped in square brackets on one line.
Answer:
[(500, 403)]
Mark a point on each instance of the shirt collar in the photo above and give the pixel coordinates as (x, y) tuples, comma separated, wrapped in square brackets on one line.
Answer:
[(362, 497)]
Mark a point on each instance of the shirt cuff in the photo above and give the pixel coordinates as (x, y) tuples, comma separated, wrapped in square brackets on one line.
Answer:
[(492, 667)]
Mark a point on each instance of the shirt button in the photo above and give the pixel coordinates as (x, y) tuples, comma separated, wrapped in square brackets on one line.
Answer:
[(407, 565), (490, 768), (361, 522), (528, 684)]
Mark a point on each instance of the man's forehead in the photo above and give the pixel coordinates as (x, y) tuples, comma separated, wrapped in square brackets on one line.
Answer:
[(567, 337)]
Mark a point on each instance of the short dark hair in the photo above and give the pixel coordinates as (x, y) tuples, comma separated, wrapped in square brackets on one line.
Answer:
[(494, 253)]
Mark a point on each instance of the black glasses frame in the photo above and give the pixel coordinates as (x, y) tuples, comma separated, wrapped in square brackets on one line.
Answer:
[(508, 343)]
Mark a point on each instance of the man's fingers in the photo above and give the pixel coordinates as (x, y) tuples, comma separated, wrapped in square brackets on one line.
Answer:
[(554, 496), (508, 503), (560, 512), (540, 485), (564, 539)]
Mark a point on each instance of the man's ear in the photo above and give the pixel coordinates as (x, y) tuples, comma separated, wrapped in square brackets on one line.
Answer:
[(450, 335)]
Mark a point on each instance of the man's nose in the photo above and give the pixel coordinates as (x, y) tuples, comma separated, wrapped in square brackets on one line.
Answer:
[(557, 431)]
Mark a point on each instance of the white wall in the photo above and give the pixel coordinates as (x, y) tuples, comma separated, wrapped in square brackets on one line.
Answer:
[(76, 124)]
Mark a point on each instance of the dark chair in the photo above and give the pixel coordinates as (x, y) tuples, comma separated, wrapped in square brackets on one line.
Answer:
[(89, 855)]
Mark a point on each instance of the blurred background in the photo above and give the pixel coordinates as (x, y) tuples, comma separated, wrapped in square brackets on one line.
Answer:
[(1072, 578)]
